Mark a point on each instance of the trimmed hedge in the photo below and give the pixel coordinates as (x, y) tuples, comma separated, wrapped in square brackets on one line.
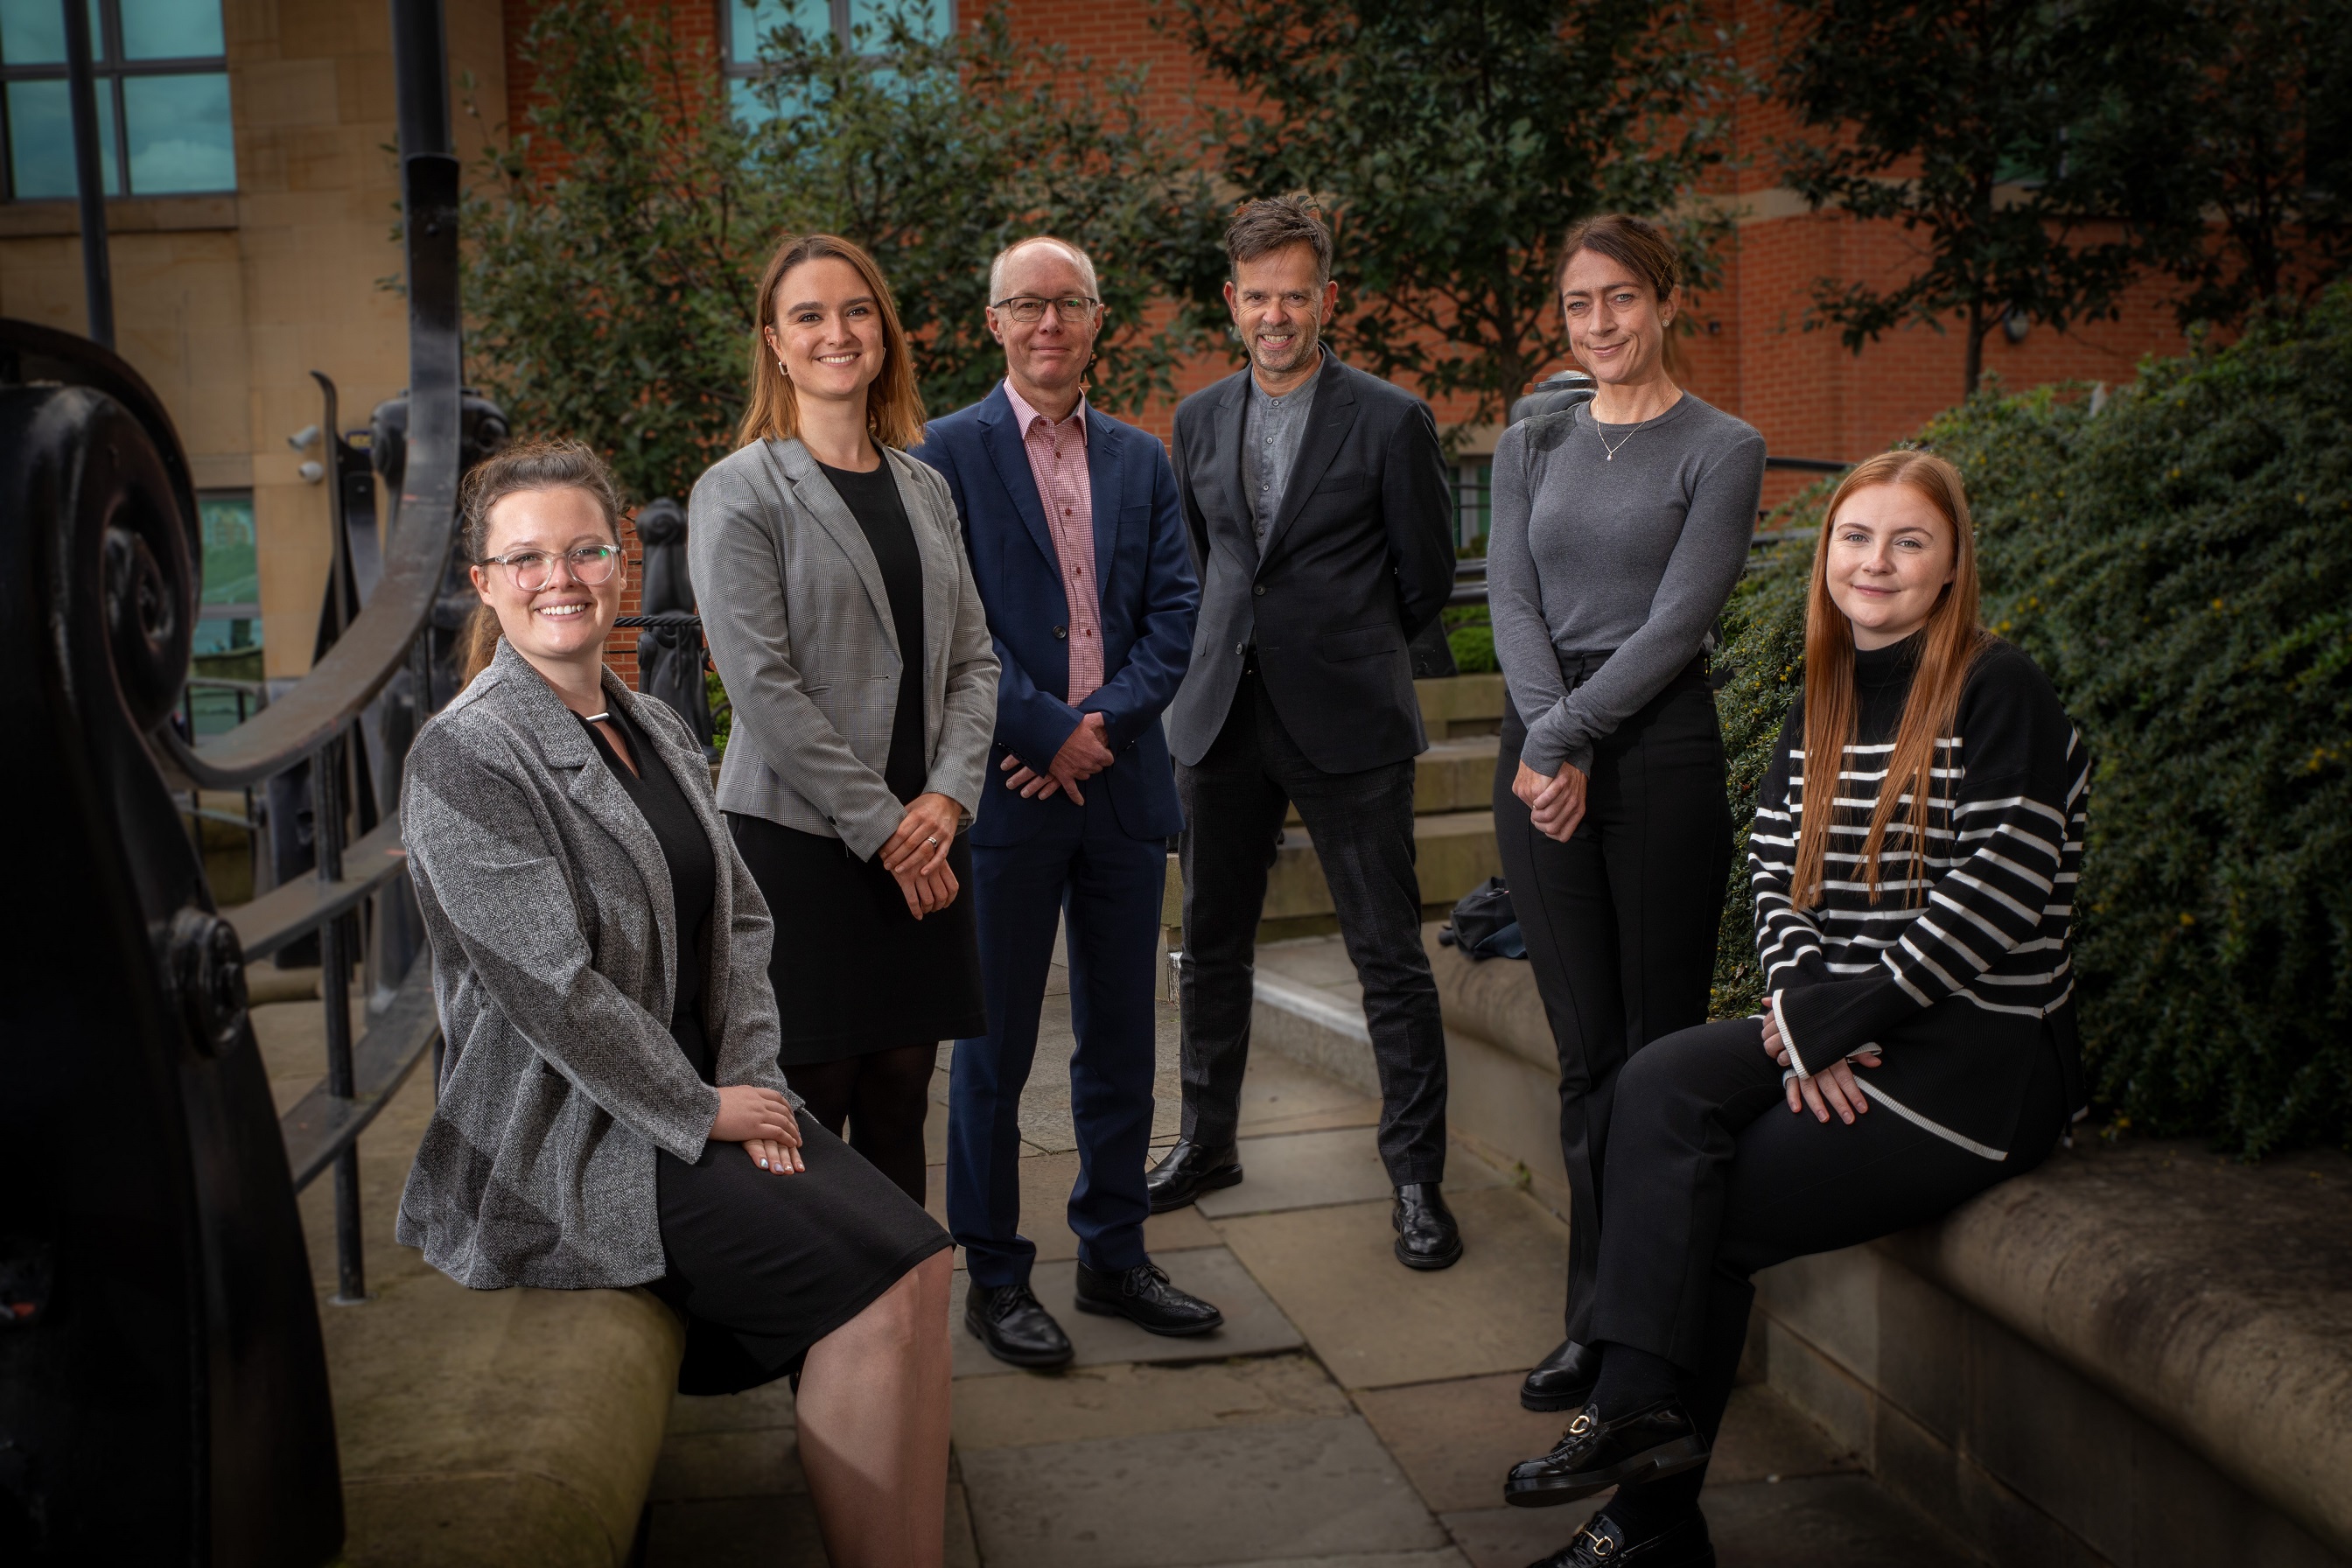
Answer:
[(2178, 557)]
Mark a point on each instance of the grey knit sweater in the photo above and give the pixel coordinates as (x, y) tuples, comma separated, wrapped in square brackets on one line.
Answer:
[(1632, 556)]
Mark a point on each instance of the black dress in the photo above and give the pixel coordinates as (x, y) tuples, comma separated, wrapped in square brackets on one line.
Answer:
[(854, 971), (760, 1266)]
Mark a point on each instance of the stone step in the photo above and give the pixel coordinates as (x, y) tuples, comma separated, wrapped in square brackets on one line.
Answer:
[(1461, 705)]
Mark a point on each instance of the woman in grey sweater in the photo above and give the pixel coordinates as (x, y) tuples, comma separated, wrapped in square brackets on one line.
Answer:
[(1619, 528)]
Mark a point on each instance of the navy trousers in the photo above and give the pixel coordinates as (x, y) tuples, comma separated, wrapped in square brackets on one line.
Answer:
[(1109, 885)]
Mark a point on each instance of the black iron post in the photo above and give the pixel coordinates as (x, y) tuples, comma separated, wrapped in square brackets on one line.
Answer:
[(90, 176), (334, 990)]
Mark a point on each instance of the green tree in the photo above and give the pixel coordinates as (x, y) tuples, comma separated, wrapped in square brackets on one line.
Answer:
[(2003, 134), (2257, 124), (612, 249), (1453, 143), (612, 252), (936, 153)]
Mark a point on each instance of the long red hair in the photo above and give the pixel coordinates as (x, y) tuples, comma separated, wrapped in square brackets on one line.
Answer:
[(1948, 645)]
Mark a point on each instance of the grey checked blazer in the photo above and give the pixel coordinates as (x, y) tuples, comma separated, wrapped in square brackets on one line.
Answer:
[(800, 628), (547, 903)]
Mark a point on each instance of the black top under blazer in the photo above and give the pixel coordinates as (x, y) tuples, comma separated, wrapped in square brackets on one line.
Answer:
[(1359, 559)]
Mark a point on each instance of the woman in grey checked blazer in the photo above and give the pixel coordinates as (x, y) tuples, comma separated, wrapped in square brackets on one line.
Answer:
[(611, 1112)]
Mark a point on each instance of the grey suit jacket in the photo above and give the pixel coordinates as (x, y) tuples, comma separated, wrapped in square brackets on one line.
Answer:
[(548, 904), (800, 628)]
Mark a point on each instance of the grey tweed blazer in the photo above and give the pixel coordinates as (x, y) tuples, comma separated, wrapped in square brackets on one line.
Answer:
[(547, 903), (799, 625)]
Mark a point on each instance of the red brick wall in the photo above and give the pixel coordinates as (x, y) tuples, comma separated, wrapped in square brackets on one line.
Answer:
[(1752, 354)]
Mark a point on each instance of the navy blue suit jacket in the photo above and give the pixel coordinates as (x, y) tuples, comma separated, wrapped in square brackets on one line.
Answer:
[(1149, 598)]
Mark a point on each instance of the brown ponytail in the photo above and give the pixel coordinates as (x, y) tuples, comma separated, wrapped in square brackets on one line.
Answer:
[(526, 466)]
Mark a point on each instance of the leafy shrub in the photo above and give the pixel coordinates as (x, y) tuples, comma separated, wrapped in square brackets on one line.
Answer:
[(2178, 561)]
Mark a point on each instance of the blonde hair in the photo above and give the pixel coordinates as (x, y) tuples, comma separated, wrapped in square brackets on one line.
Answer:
[(526, 466), (1948, 645), (894, 407)]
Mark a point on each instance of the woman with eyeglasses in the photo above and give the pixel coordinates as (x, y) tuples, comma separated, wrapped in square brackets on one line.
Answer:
[(842, 617), (611, 1113)]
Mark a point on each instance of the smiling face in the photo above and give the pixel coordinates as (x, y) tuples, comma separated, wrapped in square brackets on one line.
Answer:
[(1280, 309), (1891, 554), (565, 622), (1049, 355), (1616, 322), (828, 329)]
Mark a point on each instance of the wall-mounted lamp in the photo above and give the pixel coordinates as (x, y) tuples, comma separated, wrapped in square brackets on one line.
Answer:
[(313, 472), (303, 439), (2015, 325)]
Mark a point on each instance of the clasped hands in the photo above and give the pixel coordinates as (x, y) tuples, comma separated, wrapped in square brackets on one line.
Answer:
[(915, 853), (763, 1122), (1085, 753), (1832, 1087), (1555, 804)]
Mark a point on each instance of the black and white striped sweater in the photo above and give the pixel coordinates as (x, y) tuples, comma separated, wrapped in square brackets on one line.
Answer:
[(1975, 929)]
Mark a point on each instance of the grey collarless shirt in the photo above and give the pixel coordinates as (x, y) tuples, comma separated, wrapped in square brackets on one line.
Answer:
[(1631, 556), (1272, 429)]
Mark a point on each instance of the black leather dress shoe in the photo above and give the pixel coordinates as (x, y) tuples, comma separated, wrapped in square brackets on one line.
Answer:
[(1603, 1540), (1187, 1171), (1143, 1297), (1015, 1327), (1427, 1234), (1563, 1380), (1649, 1444)]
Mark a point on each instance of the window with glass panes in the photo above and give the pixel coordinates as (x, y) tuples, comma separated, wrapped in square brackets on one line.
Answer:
[(745, 25), (1473, 483), (162, 99)]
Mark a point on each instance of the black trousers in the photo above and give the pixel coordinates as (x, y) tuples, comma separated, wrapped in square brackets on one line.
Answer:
[(1621, 923), (1711, 1177), (1361, 825)]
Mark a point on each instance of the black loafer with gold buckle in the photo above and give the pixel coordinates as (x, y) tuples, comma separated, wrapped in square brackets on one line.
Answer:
[(1682, 1545), (1593, 1454)]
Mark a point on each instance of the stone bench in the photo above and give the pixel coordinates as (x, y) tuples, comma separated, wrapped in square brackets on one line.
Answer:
[(2132, 1356), (474, 1427)]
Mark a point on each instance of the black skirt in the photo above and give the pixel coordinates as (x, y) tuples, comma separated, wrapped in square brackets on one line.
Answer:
[(762, 1267), (854, 970)]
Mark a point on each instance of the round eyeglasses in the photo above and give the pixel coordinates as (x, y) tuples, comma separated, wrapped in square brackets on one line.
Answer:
[(534, 569), (1026, 308)]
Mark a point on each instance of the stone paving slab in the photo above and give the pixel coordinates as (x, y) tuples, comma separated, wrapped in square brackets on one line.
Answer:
[(1127, 1401), (1457, 1440), (769, 1406), (1254, 1324), (1315, 1170), (1374, 1322), (1045, 1183), (1279, 1095), (1241, 1495), (735, 1532)]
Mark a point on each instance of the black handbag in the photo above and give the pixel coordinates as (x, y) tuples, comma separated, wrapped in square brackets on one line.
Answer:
[(1483, 924)]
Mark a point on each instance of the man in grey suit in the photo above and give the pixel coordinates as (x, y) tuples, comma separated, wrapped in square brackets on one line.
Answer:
[(1321, 525)]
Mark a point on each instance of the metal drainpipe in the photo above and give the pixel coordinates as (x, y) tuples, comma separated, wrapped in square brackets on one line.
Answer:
[(81, 87)]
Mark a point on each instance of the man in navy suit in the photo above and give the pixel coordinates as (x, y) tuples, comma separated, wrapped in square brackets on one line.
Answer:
[(1076, 538)]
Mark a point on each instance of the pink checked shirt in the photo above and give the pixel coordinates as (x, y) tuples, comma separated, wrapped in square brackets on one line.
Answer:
[(1057, 461)]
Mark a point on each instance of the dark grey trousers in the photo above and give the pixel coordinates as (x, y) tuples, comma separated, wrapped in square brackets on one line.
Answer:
[(1361, 825)]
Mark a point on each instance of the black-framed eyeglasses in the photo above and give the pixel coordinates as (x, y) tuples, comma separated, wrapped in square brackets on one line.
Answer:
[(534, 569), (1026, 308)]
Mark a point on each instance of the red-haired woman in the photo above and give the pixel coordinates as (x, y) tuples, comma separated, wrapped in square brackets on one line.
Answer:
[(1914, 899)]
